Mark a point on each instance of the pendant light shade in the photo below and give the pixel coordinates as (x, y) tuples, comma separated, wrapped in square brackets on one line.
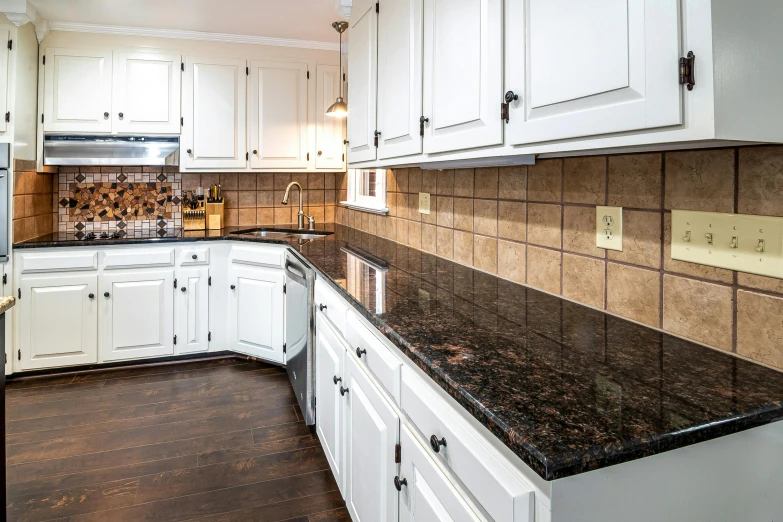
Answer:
[(339, 109)]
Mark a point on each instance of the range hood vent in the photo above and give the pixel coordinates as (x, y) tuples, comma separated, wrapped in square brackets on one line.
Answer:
[(68, 150)]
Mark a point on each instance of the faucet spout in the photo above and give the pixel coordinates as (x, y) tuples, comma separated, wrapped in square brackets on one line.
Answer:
[(300, 216)]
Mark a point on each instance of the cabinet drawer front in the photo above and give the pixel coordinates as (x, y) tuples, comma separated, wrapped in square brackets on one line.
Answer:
[(126, 258), (501, 492), (194, 256), (263, 256), (328, 302), (378, 359), (51, 261)]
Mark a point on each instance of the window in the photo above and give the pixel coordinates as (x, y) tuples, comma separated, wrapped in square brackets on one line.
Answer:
[(367, 190)]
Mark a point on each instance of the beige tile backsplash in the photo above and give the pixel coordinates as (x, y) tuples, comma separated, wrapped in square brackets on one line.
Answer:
[(536, 225)]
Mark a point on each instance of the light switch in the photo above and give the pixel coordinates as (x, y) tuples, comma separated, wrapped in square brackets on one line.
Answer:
[(424, 203), (741, 242), (609, 228)]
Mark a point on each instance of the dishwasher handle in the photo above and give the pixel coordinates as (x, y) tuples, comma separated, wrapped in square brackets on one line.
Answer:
[(296, 273)]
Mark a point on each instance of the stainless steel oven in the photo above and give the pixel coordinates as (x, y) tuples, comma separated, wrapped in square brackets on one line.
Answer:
[(300, 332)]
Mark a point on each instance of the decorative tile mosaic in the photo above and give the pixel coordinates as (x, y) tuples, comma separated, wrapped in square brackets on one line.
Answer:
[(111, 198)]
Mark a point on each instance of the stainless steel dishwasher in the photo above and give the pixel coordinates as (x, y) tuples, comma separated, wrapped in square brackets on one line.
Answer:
[(300, 332)]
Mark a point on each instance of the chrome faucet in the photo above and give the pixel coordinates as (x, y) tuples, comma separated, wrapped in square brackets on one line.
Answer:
[(300, 217)]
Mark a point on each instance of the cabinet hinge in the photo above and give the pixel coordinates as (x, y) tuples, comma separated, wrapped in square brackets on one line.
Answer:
[(6, 358), (42, 118), (688, 70), (182, 121), (175, 339), (377, 133), (343, 76), (175, 282), (377, 8), (209, 281), (19, 293), (308, 75), (285, 287), (397, 453), (308, 156), (284, 348), (247, 71), (209, 336), (343, 157), (5, 279), (44, 59), (504, 112), (247, 156), (182, 66), (8, 116), (313, 401), (10, 44), (19, 354)]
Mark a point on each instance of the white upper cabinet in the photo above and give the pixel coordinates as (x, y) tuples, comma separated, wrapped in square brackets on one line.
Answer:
[(463, 72), (146, 93), (328, 130), (4, 37), (587, 67), (399, 77), (278, 115), (214, 108), (363, 67), (77, 90)]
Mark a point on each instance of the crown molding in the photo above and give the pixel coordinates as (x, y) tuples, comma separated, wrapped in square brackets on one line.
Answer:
[(191, 35)]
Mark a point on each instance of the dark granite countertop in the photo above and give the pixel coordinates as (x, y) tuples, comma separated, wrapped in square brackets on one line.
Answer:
[(567, 388)]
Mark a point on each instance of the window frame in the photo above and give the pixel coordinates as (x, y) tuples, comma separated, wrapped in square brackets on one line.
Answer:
[(375, 204)]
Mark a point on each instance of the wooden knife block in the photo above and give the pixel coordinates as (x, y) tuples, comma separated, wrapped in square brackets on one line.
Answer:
[(216, 216), (194, 219)]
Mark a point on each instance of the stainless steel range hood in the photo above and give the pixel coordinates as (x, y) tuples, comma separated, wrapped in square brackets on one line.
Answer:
[(62, 149)]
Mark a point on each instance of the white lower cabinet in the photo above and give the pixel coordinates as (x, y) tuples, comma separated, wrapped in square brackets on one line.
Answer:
[(372, 428), (59, 318), (256, 309), (329, 378), (426, 494), (136, 314), (191, 310)]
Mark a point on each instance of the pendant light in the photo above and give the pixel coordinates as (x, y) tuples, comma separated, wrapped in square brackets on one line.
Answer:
[(339, 109)]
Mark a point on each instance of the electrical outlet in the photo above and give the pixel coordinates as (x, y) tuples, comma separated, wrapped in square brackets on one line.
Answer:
[(609, 228), (745, 243), (424, 203)]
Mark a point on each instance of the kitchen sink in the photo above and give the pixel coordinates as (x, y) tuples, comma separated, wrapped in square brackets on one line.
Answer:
[(279, 234)]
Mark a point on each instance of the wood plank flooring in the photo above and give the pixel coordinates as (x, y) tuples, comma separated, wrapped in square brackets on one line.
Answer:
[(212, 440)]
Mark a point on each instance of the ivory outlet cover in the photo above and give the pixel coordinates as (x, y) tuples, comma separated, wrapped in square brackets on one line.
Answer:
[(424, 203), (609, 228)]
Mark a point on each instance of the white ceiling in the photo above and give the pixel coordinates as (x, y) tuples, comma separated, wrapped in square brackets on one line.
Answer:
[(296, 19)]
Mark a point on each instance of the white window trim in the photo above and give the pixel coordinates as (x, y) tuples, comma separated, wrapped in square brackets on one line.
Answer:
[(356, 201)]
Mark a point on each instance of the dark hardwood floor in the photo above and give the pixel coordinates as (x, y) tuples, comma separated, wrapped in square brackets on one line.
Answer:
[(218, 440)]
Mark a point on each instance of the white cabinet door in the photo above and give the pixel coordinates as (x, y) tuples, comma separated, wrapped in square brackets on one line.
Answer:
[(77, 90), (462, 74), (427, 494), (256, 304), (371, 433), (136, 314), (146, 93), (278, 115), (328, 130), (399, 77), (363, 64), (4, 37), (587, 67), (58, 320), (191, 310), (329, 376), (214, 108)]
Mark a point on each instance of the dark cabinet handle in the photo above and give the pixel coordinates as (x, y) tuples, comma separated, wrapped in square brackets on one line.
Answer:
[(195, 257), (233, 287), (255, 152), (320, 152), (105, 114), (91, 296), (184, 289), (437, 443), (359, 352), (322, 307), (337, 379), (105, 294), (399, 483), (189, 151), (121, 115), (343, 391), (510, 96)]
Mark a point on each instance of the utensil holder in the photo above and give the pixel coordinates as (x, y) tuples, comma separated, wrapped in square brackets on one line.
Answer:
[(216, 216)]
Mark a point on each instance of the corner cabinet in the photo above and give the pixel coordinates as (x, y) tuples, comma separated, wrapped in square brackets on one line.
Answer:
[(214, 112), (191, 310)]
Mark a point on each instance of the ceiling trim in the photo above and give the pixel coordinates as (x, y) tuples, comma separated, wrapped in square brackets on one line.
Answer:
[(191, 35)]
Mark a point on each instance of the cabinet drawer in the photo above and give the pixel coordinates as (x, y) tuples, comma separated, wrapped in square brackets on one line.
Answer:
[(375, 356), (194, 256), (137, 258), (328, 302), (58, 261), (264, 256), (500, 491)]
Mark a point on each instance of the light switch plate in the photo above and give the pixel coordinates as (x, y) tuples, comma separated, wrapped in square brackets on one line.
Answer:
[(424, 203), (609, 228), (741, 242)]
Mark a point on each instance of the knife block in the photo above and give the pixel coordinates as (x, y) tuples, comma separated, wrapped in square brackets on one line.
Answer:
[(194, 219), (216, 216)]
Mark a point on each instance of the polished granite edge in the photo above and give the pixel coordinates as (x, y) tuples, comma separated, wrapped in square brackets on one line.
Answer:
[(557, 461), (6, 303)]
